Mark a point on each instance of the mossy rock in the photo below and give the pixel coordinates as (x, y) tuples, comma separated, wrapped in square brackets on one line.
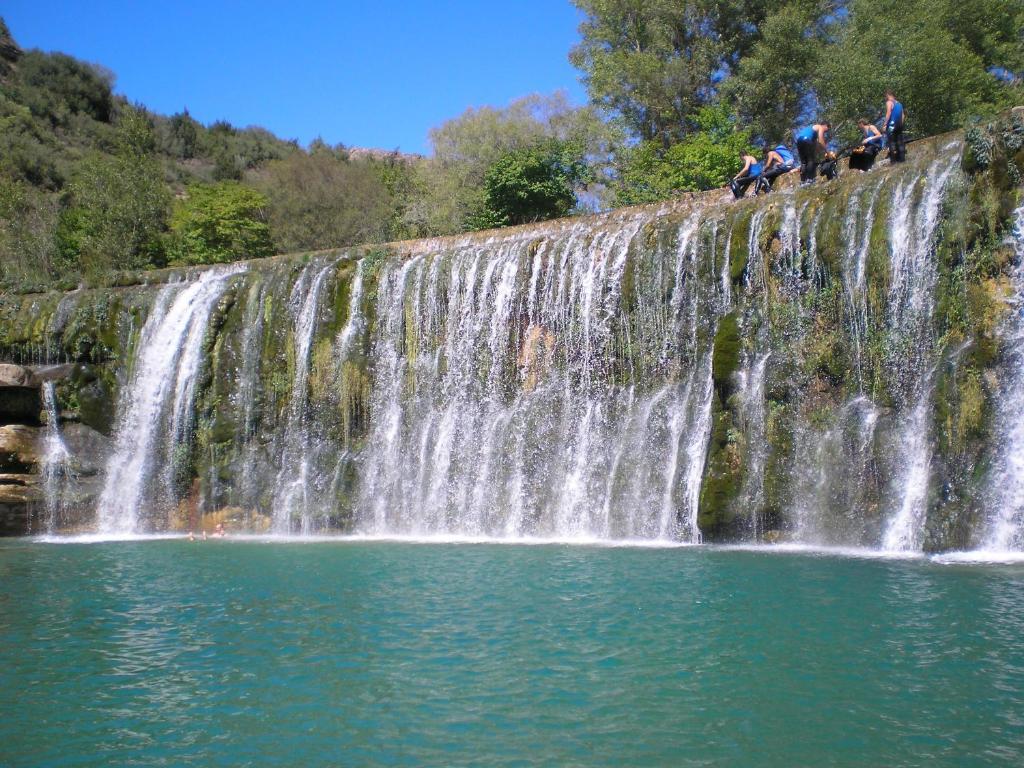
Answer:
[(726, 357)]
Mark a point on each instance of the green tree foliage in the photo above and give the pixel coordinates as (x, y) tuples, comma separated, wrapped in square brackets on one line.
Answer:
[(532, 183), (117, 205), (705, 159), (9, 50), (181, 137), (28, 221), (773, 87), (325, 200), (27, 150), (57, 87), (451, 183), (219, 223), (936, 54), (656, 62)]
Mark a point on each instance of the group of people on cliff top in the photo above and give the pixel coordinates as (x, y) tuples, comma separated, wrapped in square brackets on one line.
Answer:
[(814, 155)]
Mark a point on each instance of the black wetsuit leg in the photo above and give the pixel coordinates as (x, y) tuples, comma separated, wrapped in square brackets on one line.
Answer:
[(767, 180), (808, 162), (897, 145), (739, 185)]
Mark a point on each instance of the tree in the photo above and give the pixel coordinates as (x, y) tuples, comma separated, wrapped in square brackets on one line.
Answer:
[(773, 87), (706, 159), (451, 183), (530, 184), (182, 136), (219, 223), (323, 200), (656, 62), (28, 220), (9, 50), (118, 204), (941, 68)]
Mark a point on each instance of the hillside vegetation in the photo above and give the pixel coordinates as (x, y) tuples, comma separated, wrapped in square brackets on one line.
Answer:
[(92, 184)]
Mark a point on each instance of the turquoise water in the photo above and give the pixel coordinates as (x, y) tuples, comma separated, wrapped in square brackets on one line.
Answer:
[(228, 653)]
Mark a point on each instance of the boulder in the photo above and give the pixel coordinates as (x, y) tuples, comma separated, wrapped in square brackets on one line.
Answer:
[(20, 495), (96, 406), (19, 395), (88, 449), (42, 373), (16, 376), (20, 448)]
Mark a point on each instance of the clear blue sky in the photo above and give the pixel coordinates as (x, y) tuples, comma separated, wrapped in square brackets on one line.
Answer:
[(370, 74)]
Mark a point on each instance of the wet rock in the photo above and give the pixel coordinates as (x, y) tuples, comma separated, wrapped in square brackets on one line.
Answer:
[(88, 448), (20, 450), (15, 376), (95, 401), (235, 520), (20, 495), (19, 395), (45, 373)]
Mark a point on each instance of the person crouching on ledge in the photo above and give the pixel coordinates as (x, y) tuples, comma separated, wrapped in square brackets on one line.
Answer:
[(810, 142), (777, 162), (751, 173), (863, 157)]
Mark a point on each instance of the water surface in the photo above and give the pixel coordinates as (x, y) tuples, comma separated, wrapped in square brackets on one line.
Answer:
[(226, 653)]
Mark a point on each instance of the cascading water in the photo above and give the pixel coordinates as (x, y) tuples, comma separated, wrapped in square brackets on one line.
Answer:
[(294, 489), (911, 303), (752, 412), (764, 370), (55, 459), (486, 426), (246, 394), (1005, 528), (155, 411)]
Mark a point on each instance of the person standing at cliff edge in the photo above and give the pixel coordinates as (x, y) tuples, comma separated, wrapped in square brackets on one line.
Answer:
[(894, 116), (810, 140)]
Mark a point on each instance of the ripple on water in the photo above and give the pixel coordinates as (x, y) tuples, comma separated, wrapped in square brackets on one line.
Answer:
[(259, 652)]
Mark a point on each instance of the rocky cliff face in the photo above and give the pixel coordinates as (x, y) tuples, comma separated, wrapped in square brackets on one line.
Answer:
[(821, 365)]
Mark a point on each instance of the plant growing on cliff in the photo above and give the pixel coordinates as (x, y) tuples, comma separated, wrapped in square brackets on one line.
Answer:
[(219, 223)]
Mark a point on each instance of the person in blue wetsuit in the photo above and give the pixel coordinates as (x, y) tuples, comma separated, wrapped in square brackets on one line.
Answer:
[(750, 174), (778, 161), (894, 118), (810, 140), (863, 157)]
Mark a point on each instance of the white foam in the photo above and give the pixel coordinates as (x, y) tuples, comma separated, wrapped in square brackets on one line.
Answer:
[(981, 557), (103, 538), (273, 538), (816, 549)]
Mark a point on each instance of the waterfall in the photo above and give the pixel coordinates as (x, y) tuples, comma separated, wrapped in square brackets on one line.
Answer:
[(492, 411), (1005, 528), (911, 302), (294, 489), (766, 369), (55, 460), (246, 394), (155, 409), (752, 413)]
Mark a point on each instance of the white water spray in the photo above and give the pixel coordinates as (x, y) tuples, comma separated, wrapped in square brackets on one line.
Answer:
[(155, 406)]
